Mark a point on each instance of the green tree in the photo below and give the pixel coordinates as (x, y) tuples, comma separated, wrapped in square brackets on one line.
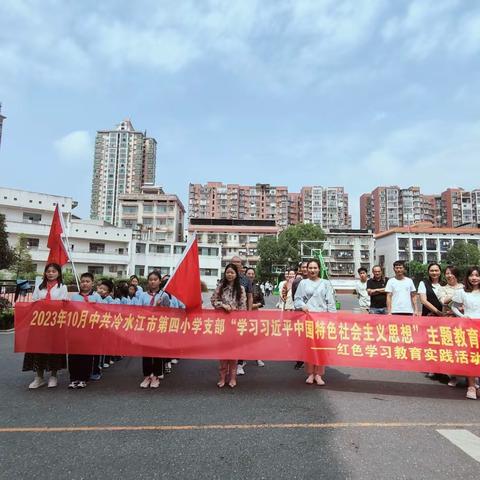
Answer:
[(6, 253), (22, 265), (463, 255), (417, 271), (284, 249)]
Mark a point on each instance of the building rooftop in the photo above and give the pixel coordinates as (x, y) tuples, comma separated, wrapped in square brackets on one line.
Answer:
[(428, 228)]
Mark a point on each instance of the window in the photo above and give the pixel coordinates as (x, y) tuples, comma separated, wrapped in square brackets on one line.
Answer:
[(32, 217), (140, 270), (95, 269), (178, 249), (130, 209), (33, 243), (432, 244), (208, 251), (147, 222), (402, 244), (445, 244), (209, 272), (161, 221), (418, 257), (140, 248), (161, 270), (97, 248), (417, 244), (159, 248), (147, 208)]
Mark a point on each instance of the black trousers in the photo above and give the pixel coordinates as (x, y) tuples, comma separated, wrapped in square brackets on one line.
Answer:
[(80, 367), (97, 364), (153, 365)]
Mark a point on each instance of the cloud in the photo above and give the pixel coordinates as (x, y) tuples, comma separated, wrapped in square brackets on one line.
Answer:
[(74, 148)]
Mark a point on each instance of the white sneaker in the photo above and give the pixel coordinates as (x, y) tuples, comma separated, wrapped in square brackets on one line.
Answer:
[(452, 382), (240, 370), (155, 382), (471, 393), (106, 365), (146, 382), (52, 382), (82, 384), (174, 361), (260, 363), (37, 383)]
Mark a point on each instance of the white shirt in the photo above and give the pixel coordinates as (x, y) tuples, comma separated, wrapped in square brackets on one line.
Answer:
[(470, 302), (56, 293), (436, 287), (401, 291), (363, 296)]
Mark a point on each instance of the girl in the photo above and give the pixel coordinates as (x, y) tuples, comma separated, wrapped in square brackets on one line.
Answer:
[(80, 366), (134, 281), (132, 294), (314, 295), (229, 296), (152, 366), (51, 288), (122, 294), (430, 291), (469, 298), (286, 293)]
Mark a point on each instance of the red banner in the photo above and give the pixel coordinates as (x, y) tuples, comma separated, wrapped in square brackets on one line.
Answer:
[(426, 344)]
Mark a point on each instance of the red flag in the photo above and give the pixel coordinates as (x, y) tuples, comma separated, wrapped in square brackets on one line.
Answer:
[(185, 280), (58, 253)]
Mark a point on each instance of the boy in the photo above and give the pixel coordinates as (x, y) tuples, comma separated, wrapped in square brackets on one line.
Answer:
[(401, 292)]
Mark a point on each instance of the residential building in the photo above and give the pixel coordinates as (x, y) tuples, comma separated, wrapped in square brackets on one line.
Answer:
[(125, 160), (231, 201), (2, 118), (294, 208), (346, 250), (460, 207), (325, 206), (422, 243), (235, 237), (152, 214), (95, 246)]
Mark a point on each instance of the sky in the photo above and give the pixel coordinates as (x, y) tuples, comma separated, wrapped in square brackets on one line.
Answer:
[(353, 93)]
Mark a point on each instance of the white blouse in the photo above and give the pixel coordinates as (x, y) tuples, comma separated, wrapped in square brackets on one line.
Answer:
[(56, 293), (470, 302)]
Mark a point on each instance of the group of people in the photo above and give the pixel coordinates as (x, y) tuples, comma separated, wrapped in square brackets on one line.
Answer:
[(441, 294), (303, 290), (83, 368)]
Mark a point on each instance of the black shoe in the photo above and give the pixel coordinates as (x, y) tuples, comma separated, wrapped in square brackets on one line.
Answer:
[(298, 365)]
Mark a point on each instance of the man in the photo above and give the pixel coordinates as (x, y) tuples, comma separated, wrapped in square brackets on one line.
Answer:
[(247, 285), (376, 291), (401, 292), (361, 290)]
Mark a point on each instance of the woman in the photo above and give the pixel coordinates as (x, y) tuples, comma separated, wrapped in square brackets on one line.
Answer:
[(153, 367), (229, 296), (469, 298), (314, 295), (258, 298), (286, 292), (51, 288), (447, 292), (430, 291)]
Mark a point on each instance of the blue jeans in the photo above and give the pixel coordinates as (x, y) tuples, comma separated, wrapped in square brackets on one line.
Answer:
[(378, 311)]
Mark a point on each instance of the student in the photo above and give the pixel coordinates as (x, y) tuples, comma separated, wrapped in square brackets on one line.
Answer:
[(301, 275), (132, 294), (122, 294), (51, 288), (105, 289), (258, 298), (469, 299), (229, 296), (361, 290), (401, 296), (153, 367), (376, 291), (80, 366), (430, 291), (135, 282), (315, 294)]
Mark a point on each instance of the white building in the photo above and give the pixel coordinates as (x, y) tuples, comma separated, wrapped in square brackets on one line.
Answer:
[(346, 250), (96, 246), (421, 243)]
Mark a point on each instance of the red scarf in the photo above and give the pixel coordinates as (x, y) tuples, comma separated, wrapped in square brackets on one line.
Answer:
[(85, 296), (50, 285), (152, 300)]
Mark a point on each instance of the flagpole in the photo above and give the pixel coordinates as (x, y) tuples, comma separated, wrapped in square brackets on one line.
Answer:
[(60, 214)]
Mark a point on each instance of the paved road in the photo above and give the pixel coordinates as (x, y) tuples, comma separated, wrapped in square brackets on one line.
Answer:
[(365, 424)]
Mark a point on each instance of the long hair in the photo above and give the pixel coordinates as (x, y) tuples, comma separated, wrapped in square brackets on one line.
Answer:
[(154, 273), (58, 268), (468, 285), (429, 279), (237, 287)]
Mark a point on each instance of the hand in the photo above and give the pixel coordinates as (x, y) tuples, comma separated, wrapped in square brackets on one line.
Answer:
[(227, 308), (305, 309), (416, 314)]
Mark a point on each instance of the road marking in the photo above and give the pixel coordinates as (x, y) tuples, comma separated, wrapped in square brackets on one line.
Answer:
[(464, 440), (248, 426)]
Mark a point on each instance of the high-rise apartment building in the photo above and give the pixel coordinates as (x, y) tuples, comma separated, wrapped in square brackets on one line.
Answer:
[(460, 207), (236, 202), (125, 160), (325, 206), (2, 118), (294, 208)]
